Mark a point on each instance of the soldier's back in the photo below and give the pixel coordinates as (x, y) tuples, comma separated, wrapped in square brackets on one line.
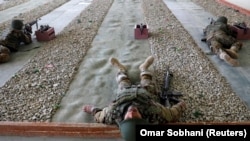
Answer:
[(13, 40)]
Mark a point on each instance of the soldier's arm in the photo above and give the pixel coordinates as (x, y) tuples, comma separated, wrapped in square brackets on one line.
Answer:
[(99, 114), (26, 38), (172, 114), (204, 38)]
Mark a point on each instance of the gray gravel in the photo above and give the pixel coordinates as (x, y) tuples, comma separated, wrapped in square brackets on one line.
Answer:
[(35, 92), (208, 95)]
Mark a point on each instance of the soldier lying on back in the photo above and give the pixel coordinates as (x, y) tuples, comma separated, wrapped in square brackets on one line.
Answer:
[(221, 40), (135, 104), (14, 39)]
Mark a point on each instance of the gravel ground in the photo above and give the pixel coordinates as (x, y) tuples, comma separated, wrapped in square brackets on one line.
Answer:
[(209, 97)]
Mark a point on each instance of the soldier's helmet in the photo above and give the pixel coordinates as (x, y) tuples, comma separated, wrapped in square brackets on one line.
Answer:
[(222, 19), (17, 24), (127, 128)]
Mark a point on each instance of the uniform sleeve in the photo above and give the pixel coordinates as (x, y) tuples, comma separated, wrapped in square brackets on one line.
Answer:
[(25, 38), (99, 115), (172, 114)]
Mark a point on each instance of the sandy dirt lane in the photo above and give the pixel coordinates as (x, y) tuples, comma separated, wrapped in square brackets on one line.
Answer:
[(95, 81)]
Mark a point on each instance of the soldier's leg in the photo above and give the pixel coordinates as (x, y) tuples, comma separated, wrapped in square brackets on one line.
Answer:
[(4, 54), (230, 44), (224, 56), (217, 48), (226, 41), (236, 46), (233, 50), (122, 76), (147, 76)]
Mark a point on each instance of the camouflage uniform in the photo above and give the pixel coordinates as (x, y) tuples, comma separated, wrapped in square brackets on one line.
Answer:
[(16, 37), (221, 41), (144, 96), (13, 40), (4, 54)]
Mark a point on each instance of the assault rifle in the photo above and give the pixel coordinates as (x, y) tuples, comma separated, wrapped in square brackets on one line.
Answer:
[(28, 27), (168, 97)]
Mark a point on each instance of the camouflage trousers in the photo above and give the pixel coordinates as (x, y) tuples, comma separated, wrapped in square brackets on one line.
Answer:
[(146, 82), (226, 47), (127, 93), (4, 54)]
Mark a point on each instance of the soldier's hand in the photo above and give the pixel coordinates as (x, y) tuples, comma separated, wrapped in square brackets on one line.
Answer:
[(88, 108)]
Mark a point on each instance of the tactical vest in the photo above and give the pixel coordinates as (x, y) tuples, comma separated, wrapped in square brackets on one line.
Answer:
[(13, 39), (220, 32), (133, 95), (215, 27)]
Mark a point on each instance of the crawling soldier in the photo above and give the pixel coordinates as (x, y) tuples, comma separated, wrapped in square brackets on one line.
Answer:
[(220, 39)]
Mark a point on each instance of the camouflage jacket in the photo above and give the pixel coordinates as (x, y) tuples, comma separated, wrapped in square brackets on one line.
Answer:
[(14, 39), (219, 32), (215, 26), (148, 105)]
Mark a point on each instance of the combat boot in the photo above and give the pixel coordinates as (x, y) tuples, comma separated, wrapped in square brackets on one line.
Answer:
[(118, 65), (233, 51), (224, 56), (144, 66), (145, 75), (233, 54), (121, 77)]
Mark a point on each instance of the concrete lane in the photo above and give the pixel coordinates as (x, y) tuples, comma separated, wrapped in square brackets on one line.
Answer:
[(10, 13), (194, 19)]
